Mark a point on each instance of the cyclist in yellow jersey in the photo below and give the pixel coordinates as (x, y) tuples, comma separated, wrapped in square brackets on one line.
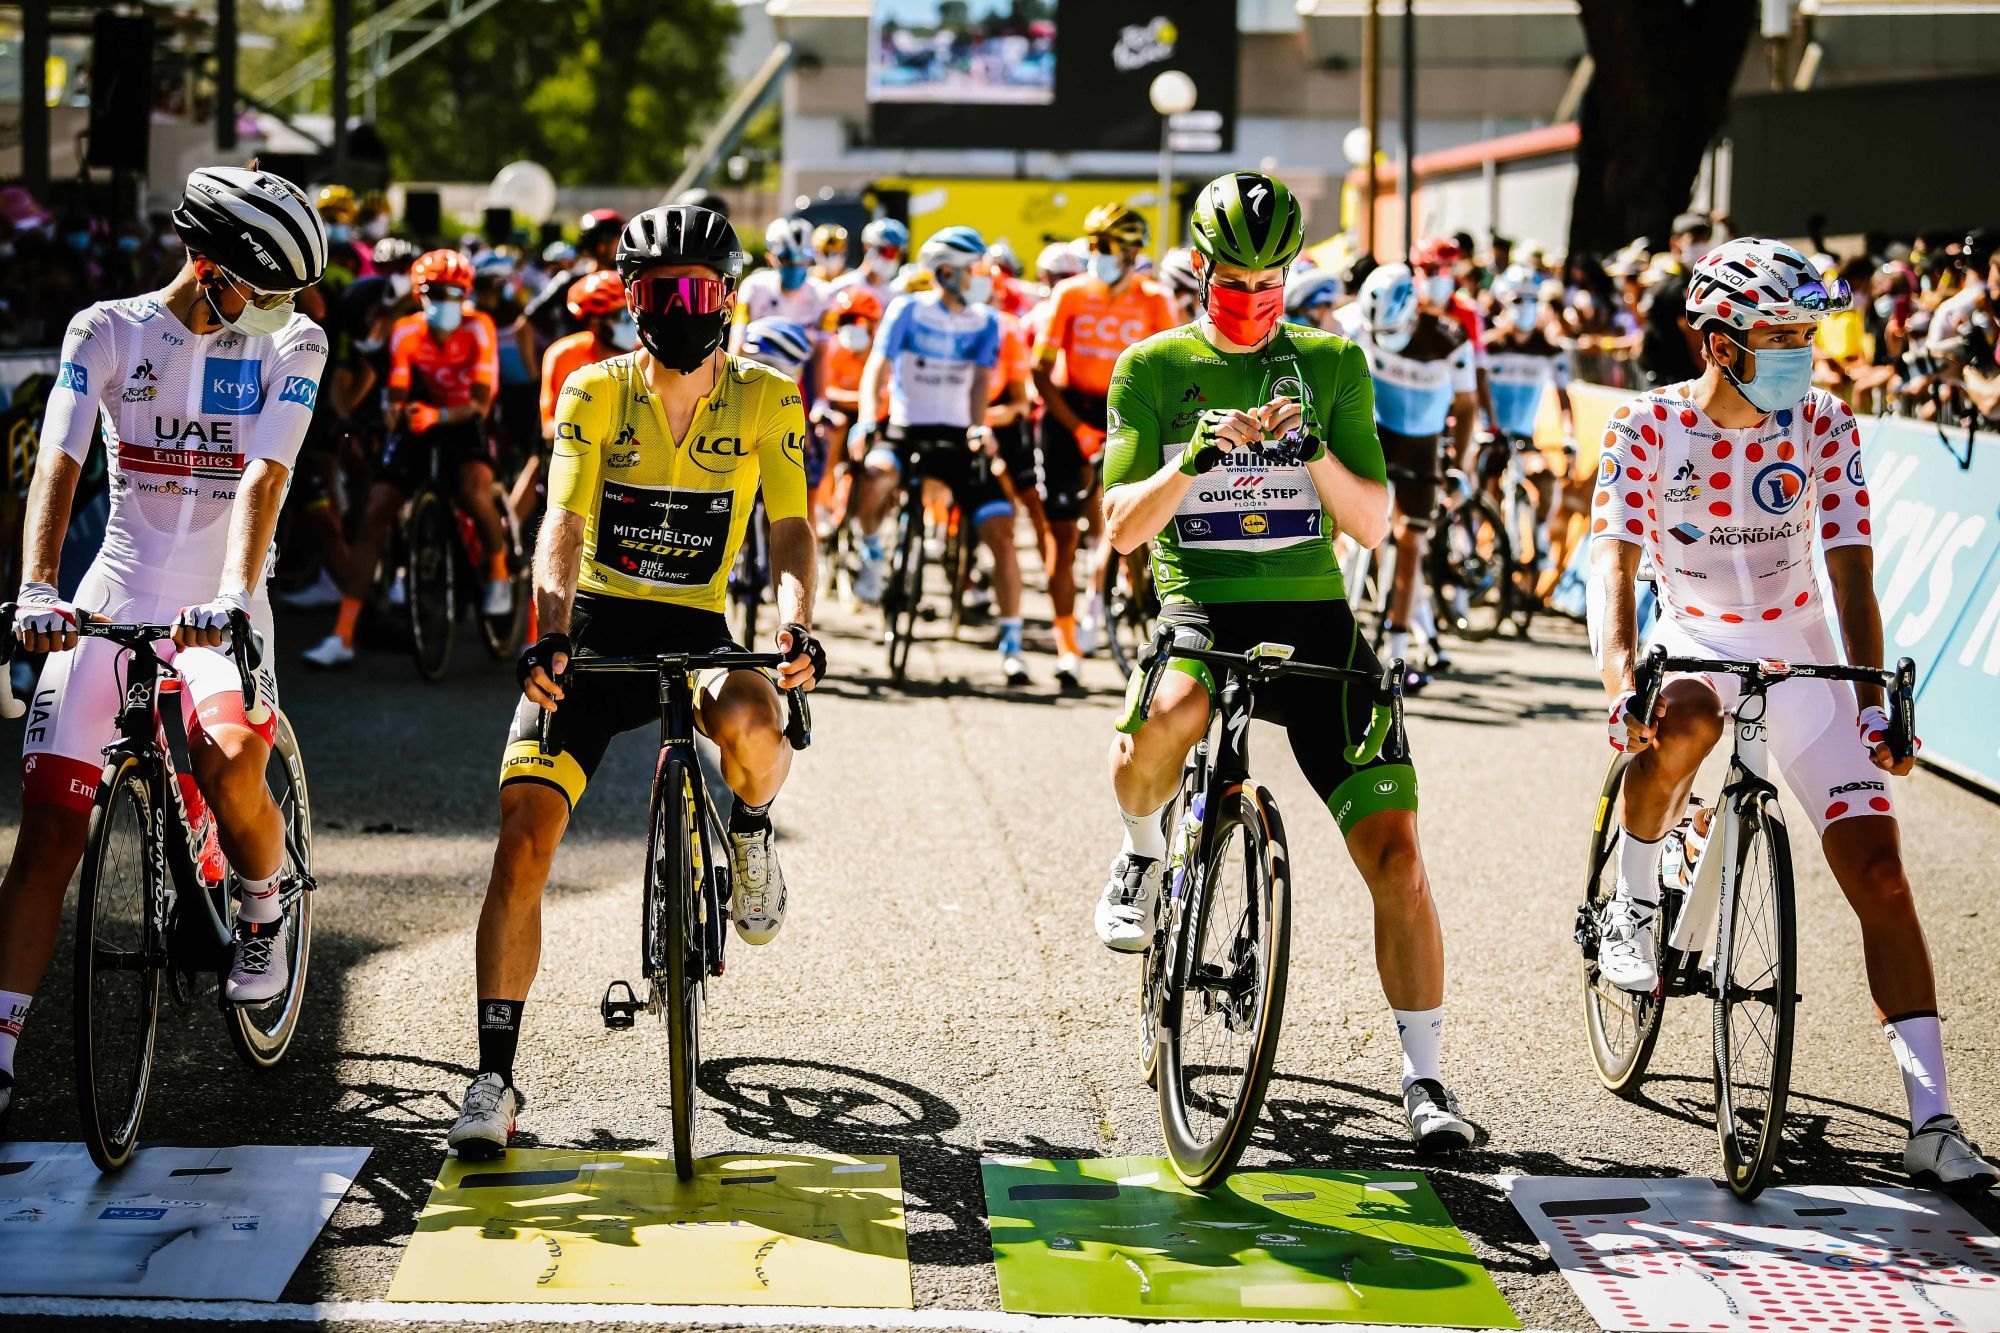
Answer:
[(659, 456)]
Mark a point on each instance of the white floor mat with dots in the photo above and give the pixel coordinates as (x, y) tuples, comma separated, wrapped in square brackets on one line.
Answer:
[(1683, 1254)]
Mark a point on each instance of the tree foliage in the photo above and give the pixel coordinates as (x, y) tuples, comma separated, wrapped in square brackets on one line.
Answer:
[(601, 92)]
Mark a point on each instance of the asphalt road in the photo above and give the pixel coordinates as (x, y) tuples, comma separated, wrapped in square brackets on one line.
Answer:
[(938, 992)]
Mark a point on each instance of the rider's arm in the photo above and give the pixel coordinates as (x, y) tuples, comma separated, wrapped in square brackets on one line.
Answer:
[(1055, 330), (1844, 534), (1559, 372), (485, 369), (781, 476), (1351, 477), (1614, 566), (1141, 489), (69, 423), (253, 520), (49, 496), (1468, 386), (551, 387), (558, 560), (1851, 570), (402, 347), (573, 486)]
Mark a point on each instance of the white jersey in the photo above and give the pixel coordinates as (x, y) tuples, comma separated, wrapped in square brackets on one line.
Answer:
[(1730, 517), (762, 296), (933, 352), (183, 414)]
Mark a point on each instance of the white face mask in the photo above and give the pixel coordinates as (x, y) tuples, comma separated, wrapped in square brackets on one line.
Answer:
[(833, 263), (376, 227), (254, 322), (623, 333), (853, 337), (1438, 288), (1525, 314), (883, 267), (977, 289), (444, 315)]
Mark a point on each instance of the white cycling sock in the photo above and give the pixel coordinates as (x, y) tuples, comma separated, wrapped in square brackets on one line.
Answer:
[(13, 1013), (1143, 835), (260, 898), (1639, 867), (1919, 1049), (1396, 643), (1420, 1031)]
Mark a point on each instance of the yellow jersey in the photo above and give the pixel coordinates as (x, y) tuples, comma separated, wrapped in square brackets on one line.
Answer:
[(663, 518)]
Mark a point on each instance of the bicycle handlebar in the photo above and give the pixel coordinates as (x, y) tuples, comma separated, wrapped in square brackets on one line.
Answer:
[(1386, 690), (798, 712), (1901, 683), (245, 649)]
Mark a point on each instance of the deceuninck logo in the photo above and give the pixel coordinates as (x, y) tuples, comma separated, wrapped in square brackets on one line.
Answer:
[(232, 387)]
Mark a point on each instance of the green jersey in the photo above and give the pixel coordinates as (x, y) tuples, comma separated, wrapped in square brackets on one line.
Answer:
[(1243, 533)]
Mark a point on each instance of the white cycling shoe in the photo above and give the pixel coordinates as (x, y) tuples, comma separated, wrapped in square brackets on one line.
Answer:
[(322, 594), (1434, 1118), (868, 579), (261, 967), (1941, 1157), (498, 599), (1628, 954), (1129, 908), (1069, 670), (757, 888), (330, 654), (485, 1119)]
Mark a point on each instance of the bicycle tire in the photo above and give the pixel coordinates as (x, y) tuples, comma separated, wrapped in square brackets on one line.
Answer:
[(1152, 964), (112, 1075), (902, 598), (1761, 920), (1202, 1157), (1621, 1028), (262, 1033), (959, 562), (1524, 576), (504, 635), (430, 583), (674, 933), (1472, 552)]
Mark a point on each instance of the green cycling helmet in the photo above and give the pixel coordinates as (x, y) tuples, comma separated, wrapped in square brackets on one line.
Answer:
[(1248, 220)]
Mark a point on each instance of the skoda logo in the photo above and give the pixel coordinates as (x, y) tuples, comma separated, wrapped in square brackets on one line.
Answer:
[(1778, 487)]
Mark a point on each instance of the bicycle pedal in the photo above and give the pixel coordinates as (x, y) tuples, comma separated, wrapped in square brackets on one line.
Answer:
[(618, 1013)]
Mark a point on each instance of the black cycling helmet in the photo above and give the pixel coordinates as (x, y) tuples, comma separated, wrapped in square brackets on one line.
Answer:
[(262, 228), (701, 198), (680, 234)]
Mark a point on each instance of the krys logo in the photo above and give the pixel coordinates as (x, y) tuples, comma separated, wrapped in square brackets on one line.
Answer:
[(1778, 487), (232, 387)]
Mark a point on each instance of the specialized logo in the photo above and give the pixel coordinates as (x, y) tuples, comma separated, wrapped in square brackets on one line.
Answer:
[(232, 387), (301, 389), (71, 376), (1257, 197), (1778, 487)]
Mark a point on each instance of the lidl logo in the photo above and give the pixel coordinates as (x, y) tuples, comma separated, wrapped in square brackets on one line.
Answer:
[(302, 389), (232, 387), (1255, 525), (1778, 487)]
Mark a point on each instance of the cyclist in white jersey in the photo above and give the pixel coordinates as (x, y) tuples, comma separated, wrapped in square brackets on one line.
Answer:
[(204, 391), (1522, 364), (787, 289), (884, 244), (1729, 483)]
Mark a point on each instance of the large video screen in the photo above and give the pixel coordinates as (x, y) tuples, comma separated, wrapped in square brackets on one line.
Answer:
[(1055, 74), (963, 52)]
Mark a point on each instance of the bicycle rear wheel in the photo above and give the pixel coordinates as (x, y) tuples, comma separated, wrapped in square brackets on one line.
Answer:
[(1622, 1027), (1756, 990), (263, 1032), (674, 963), (902, 597), (504, 635), (1472, 570), (1225, 994), (119, 956), (431, 583)]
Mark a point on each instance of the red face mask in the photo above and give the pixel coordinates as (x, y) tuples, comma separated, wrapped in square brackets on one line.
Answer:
[(1245, 318)]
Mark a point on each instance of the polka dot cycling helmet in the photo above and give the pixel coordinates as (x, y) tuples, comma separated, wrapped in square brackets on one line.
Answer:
[(1752, 283)]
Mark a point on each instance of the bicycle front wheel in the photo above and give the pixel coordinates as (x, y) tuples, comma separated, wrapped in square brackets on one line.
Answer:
[(903, 597), (430, 583), (119, 956), (1755, 993), (1622, 1027), (504, 635), (263, 1032), (1225, 992), (674, 963), (1472, 570)]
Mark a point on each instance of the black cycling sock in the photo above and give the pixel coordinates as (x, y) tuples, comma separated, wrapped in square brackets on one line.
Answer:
[(746, 818), (499, 1036)]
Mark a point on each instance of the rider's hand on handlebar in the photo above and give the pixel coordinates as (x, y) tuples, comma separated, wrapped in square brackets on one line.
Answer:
[(1629, 734), (982, 441), (805, 659), (1216, 432), (1874, 727), (43, 621), (207, 625), (540, 663), (423, 418)]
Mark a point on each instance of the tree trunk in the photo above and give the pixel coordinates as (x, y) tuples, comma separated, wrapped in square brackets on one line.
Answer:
[(1661, 91)]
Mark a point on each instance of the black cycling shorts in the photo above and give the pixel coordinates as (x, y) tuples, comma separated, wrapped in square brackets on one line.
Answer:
[(1017, 454), (596, 708), (1064, 477), (941, 454), (406, 459), (1414, 473), (1321, 718)]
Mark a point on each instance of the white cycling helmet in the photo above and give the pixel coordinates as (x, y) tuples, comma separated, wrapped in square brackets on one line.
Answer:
[(954, 247), (1388, 303), (787, 237), (1056, 262), (1177, 268), (782, 344), (1752, 283), (1309, 288)]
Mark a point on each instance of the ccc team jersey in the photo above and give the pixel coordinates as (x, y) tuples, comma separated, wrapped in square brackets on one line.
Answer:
[(1243, 533), (443, 373), (1089, 324), (662, 518), (184, 414), (1517, 372)]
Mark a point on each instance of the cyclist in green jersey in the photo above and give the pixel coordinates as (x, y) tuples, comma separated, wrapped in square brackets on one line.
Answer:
[(1243, 553)]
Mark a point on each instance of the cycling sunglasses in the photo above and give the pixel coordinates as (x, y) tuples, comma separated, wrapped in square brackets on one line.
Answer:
[(697, 296), (257, 296), (441, 291), (1828, 294)]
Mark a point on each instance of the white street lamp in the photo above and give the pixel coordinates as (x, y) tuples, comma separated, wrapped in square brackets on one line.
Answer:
[(1172, 94)]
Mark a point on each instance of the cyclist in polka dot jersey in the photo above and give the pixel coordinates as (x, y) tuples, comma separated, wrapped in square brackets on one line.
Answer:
[(1726, 485)]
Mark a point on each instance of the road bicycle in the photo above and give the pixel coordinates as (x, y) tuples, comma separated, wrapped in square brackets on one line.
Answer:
[(1728, 931), (1488, 550), (154, 912), (1212, 993), (903, 589), (750, 576), (685, 894), (442, 553), (1126, 606)]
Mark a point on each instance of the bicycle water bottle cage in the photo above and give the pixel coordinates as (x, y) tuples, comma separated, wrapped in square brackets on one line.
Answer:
[(618, 1013)]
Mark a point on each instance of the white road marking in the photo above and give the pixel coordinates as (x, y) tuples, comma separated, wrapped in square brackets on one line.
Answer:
[(737, 1316)]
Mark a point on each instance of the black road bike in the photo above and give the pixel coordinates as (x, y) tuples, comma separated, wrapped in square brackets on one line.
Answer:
[(443, 559), (903, 589), (1727, 930), (149, 918), (1212, 994), (684, 902)]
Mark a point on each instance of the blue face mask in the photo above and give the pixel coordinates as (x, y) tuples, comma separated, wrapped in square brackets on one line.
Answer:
[(1107, 269), (77, 240), (128, 245), (339, 233), (791, 277), (443, 316), (1784, 378)]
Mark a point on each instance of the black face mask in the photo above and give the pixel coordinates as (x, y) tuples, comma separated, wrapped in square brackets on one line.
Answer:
[(680, 340)]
